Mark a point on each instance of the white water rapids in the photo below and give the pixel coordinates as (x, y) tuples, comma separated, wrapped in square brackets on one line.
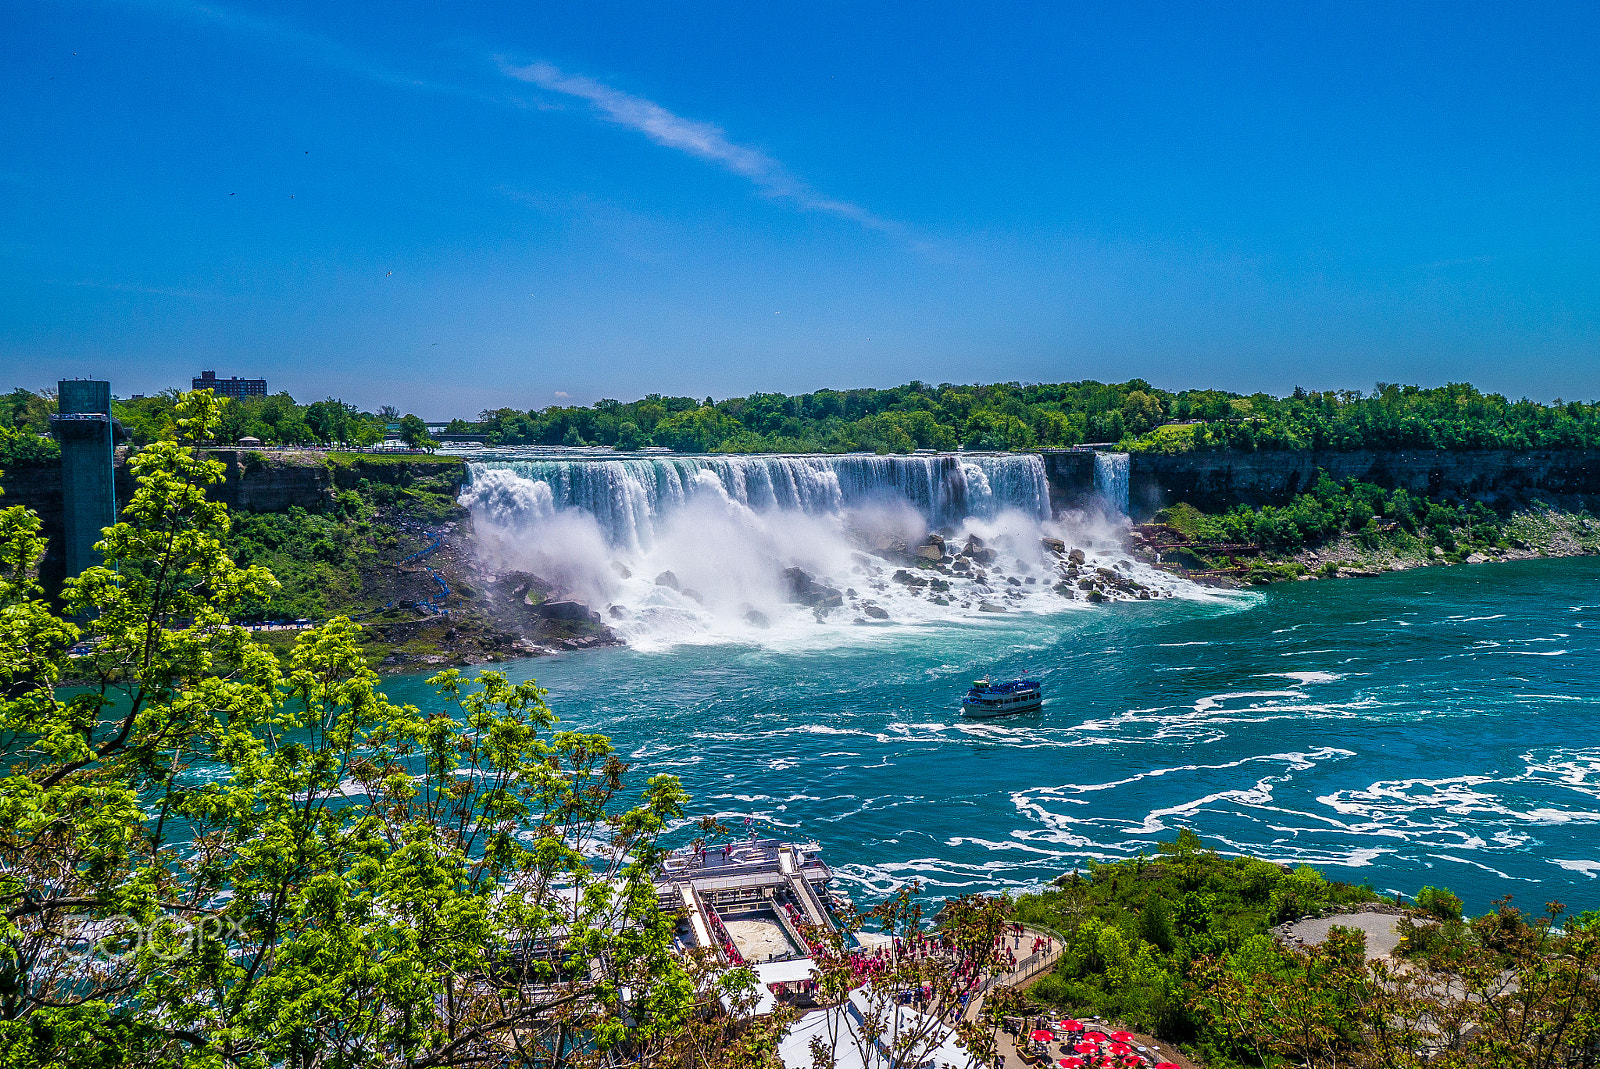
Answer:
[(729, 530)]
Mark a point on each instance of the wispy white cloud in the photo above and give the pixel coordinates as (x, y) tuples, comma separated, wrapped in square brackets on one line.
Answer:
[(702, 140)]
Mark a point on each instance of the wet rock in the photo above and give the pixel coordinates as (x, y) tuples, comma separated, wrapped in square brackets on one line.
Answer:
[(1076, 556), (1031, 580), (989, 606), (1106, 573), (1476, 558), (982, 556), (933, 548), (973, 542), (1013, 580), (1054, 545), (1085, 584), (757, 618), (693, 595), (621, 570), (668, 580), (938, 585), (805, 590), (616, 612), (873, 611), (1095, 596), (567, 610)]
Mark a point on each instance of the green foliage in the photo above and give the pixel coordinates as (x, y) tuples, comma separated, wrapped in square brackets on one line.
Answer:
[(275, 420), (1329, 509), (1439, 903), (1133, 929), (210, 859)]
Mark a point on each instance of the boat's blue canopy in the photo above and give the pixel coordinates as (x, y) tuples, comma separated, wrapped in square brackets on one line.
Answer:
[(1008, 687)]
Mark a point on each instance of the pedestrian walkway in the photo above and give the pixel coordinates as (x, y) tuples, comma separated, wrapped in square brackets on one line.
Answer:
[(1030, 963)]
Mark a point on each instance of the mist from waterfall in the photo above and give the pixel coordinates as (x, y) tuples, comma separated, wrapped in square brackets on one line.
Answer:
[(673, 549)]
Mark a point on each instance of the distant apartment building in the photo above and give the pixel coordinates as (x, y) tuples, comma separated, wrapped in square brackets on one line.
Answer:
[(232, 386)]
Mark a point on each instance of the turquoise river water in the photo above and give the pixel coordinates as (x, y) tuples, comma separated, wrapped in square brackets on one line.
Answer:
[(1437, 726)]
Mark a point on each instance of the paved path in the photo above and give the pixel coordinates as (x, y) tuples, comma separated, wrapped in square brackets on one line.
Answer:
[(1381, 930), (1029, 965)]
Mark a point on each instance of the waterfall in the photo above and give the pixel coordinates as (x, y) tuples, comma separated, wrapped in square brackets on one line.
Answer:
[(1111, 481), (629, 497), (672, 549)]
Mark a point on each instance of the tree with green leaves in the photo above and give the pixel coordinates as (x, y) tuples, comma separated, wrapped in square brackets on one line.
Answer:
[(209, 858)]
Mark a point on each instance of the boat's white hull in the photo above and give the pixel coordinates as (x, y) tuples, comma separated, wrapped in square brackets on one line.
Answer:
[(988, 712)]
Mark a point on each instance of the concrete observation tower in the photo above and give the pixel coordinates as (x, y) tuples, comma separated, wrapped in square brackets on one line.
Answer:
[(88, 489)]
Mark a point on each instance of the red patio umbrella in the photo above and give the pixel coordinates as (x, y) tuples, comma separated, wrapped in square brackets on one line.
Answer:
[(1133, 1059), (1095, 1037), (1071, 1063), (1087, 1048), (1122, 1037), (1168, 1065), (1042, 1036), (1071, 1026)]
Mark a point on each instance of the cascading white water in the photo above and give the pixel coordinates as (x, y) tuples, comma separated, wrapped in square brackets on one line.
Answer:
[(629, 497), (1111, 481), (732, 531)]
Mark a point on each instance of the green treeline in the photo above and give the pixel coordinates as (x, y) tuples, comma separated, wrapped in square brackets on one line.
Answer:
[(1018, 417), (1010, 416)]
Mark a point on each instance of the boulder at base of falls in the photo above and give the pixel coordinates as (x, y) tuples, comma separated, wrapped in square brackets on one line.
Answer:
[(1076, 556), (621, 570), (566, 610), (1054, 545), (989, 606), (1095, 596), (668, 580), (873, 612), (932, 548), (693, 595), (616, 612), (804, 590), (757, 618)]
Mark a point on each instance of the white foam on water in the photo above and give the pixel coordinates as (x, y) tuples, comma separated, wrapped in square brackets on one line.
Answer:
[(1307, 677), (1590, 869)]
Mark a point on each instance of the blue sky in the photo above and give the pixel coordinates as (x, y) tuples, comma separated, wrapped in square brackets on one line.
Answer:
[(444, 207)]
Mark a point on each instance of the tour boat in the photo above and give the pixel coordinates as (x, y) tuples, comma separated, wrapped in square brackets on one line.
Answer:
[(1001, 699)]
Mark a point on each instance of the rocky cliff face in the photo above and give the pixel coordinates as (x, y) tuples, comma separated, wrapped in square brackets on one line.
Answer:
[(1215, 481), (263, 482)]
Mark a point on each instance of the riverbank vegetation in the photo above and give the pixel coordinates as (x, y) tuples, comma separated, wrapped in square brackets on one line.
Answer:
[(1181, 944), (1352, 524)]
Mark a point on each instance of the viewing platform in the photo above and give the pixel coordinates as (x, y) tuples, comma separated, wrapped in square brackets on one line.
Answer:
[(748, 902)]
